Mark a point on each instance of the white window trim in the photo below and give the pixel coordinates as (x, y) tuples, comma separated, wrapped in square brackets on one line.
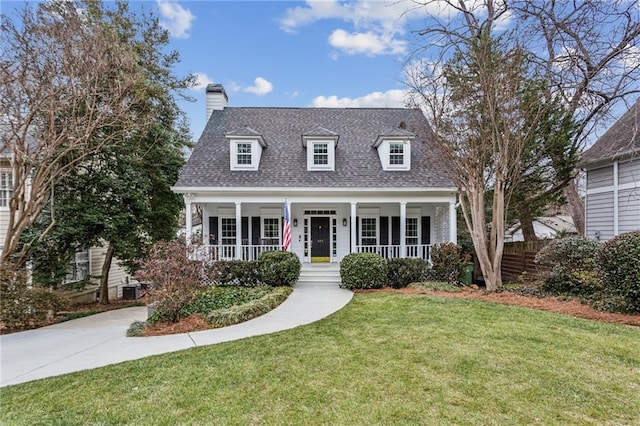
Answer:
[(331, 154), (384, 152), (256, 153), (360, 228), (262, 227), (220, 219), (9, 190), (418, 228), (75, 261)]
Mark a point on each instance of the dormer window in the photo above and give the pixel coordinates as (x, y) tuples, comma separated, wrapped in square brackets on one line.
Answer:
[(396, 154), (245, 149), (321, 149), (394, 149)]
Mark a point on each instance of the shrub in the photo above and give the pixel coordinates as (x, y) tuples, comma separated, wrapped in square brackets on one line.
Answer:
[(402, 272), (24, 307), (363, 270), (448, 263), (221, 297), (233, 272), (570, 263), (173, 278), (240, 313), (276, 268), (618, 267)]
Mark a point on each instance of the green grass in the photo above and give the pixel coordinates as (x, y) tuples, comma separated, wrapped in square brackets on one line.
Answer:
[(384, 359)]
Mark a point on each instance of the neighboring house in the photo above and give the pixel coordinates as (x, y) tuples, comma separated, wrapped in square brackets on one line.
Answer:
[(84, 263), (545, 227), (357, 180), (612, 164)]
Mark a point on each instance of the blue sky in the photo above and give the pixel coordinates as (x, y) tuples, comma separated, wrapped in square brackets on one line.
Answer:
[(282, 53)]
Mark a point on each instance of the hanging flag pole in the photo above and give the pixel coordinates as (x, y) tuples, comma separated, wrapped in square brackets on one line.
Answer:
[(286, 229)]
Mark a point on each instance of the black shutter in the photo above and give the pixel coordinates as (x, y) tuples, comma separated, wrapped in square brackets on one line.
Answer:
[(255, 231), (395, 230), (426, 230), (213, 230), (384, 230), (357, 230), (245, 229)]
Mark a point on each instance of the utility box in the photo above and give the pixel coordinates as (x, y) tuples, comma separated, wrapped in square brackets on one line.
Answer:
[(130, 292)]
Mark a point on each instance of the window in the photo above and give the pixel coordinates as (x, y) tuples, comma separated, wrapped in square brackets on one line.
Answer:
[(320, 154), (6, 187), (228, 228), (412, 231), (243, 152), (396, 154), (78, 269), (271, 229), (368, 233)]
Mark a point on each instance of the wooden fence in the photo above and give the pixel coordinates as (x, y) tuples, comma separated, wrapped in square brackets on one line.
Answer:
[(518, 258)]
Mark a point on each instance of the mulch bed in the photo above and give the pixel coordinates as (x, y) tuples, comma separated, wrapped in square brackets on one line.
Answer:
[(552, 304)]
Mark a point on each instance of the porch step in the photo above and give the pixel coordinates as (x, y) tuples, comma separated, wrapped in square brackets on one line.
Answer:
[(320, 274)]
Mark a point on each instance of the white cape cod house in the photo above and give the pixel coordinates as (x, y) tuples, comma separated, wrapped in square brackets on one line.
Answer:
[(357, 180)]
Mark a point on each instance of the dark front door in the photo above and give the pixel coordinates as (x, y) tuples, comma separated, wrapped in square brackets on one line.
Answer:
[(320, 239)]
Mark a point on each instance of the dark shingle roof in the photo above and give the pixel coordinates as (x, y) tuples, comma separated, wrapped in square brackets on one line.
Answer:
[(621, 140), (284, 161)]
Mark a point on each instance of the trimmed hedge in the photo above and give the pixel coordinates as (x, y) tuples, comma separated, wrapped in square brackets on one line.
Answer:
[(245, 312), (448, 263), (363, 270), (571, 266), (276, 268), (618, 266), (233, 272), (402, 272)]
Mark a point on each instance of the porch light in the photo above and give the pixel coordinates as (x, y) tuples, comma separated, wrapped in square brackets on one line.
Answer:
[(344, 221), (295, 222)]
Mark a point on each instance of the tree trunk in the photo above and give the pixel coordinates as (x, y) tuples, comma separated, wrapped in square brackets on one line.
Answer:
[(576, 206), (526, 224), (104, 277)]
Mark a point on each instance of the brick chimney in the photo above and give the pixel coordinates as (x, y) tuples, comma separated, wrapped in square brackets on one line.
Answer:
[(216, 98)]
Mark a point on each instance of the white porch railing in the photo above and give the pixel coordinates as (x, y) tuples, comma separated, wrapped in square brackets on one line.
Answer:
[(227, 252), (421, 251)]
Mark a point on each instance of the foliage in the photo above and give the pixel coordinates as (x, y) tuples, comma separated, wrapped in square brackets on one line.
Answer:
[(136, 329), (277, 268), (221, 297), (618, 266), (448, 263), (249, 310), (570, 263), (173, 278), (402, 272), (363, 270), (233, 272), (24, 307)]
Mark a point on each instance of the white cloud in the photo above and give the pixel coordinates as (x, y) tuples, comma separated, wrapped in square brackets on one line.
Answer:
[(389, 99), (202, 80), (375, 23), (367, 43), (176, 19), (260, 87)]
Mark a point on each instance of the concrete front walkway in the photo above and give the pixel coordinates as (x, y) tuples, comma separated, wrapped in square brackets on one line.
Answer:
[(100, 339)]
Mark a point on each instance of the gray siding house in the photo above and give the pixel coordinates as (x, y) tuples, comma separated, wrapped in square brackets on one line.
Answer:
[(613, 179), (356, 180)]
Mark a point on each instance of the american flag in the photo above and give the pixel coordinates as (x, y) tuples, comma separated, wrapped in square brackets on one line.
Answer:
[(286, 231)]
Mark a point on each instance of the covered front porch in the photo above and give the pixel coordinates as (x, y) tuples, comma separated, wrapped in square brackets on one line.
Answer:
[(324, 227)]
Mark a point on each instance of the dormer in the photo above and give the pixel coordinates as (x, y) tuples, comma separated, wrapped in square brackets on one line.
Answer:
[(245, 148), (394, 149), (321, 149)]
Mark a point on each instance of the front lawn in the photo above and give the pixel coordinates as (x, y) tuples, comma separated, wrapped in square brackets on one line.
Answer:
[(384, 359)]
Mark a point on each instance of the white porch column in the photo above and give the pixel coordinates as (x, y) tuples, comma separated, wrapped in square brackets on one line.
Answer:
[(187, 219), (354, 236), (453, 223), (403, 229), (238, 230)]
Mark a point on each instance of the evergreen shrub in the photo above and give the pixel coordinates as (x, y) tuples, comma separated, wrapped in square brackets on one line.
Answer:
[(363, 270), (278, 268)]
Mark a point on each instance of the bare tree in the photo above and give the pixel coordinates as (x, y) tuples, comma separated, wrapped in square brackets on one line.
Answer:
[(474, 93), (68, 88), (590, 57)]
